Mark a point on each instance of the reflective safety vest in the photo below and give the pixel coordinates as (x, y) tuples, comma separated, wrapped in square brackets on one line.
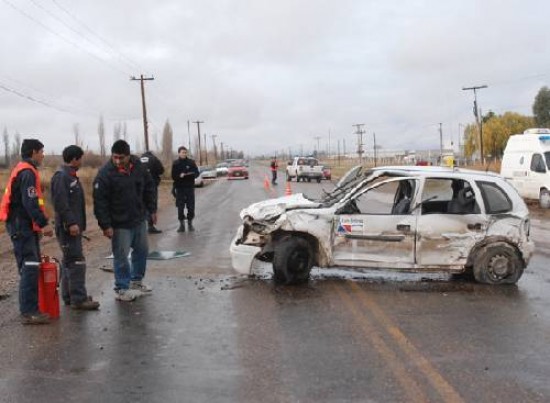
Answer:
[(6, 199)]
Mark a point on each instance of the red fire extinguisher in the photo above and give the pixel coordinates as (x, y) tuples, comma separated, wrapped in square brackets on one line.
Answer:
[(48, 294)]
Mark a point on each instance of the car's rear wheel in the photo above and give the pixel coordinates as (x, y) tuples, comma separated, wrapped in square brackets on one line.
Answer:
[(318, 180), (292, 260), (498, 263), (544, 198)]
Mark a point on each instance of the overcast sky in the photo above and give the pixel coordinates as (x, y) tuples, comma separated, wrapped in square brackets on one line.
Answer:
[(264, 75)]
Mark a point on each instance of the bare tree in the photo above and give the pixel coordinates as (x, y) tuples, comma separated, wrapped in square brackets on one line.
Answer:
[(167, 139), (77, 138), (16, 146), (116, 132), (101, 134), (6, 140), (124, 132)]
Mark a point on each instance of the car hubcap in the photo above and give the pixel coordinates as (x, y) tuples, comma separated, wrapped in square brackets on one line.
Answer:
[(499, 266)]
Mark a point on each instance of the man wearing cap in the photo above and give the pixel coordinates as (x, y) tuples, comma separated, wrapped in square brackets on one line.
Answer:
[(123, 196), (70, 221), (22, 208)]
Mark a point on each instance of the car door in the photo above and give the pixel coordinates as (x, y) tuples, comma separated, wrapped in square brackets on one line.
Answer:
[(376, 228), (450, 222)]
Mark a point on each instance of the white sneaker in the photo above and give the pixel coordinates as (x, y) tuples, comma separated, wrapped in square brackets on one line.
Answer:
[(127, 295), (141, 286)]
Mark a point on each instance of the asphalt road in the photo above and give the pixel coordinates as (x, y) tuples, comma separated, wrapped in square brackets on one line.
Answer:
[(209, 335)]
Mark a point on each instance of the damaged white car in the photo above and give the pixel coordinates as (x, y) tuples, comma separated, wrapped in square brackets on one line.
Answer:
[(404, 218)]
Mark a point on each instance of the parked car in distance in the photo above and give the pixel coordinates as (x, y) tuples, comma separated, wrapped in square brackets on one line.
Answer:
[(222, 168), (199, 181), (327, 173), (304, 168), (237, 170), (208, 172), (405, 218)]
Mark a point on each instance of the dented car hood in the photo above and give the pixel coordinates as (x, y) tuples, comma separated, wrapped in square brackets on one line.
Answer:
[(269, 209)]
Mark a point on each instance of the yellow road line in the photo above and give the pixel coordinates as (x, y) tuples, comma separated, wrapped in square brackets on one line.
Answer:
[(444, 388), (411, 388)]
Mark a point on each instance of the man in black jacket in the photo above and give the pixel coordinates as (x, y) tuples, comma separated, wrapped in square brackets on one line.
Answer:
[(23, 209), (70, 221), (184, 172), (124, 193), (155, 168)]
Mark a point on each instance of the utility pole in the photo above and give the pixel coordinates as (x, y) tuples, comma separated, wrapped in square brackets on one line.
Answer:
[(198, 122), (222, 156), (205, 150), (476, 114), (189, 136), (214, 145), (440, 144), (145, 131), (359, 132), (317, 138), (374, 148)]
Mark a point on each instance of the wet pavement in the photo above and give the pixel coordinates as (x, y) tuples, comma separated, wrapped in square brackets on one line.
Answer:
[(208, 335)]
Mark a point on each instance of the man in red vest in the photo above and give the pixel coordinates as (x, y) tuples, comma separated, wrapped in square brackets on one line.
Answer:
[(22, 208)]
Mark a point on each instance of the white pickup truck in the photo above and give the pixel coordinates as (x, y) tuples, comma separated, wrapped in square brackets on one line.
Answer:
[(304, 168)]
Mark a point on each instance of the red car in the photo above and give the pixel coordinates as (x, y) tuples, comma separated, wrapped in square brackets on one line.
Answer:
[(237, 170), (326, 173)]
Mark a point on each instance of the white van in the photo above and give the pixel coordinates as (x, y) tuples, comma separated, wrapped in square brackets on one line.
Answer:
[(526, 164)]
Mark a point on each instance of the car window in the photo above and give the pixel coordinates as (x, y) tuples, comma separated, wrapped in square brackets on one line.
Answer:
[(547, 158), (379, 200), (448, 196), (496, 200), (537, 164), (301, 161)]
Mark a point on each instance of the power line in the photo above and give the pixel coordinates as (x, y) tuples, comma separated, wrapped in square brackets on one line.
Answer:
[(30, 17), (126, 60)]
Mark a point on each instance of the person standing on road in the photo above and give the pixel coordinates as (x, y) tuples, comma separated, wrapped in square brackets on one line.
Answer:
[(184, 172), (156, 169), (70, 222), (124, 193), (23, 210), (274, 166)]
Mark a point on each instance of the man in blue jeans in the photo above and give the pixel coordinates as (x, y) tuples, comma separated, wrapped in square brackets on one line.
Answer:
[(124, 194)]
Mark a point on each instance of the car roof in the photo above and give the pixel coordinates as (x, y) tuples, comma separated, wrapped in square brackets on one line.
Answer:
[(433, 171)]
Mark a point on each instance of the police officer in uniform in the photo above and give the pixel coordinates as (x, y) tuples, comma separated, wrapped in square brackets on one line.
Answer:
[(184, 172), (70, 222), (155, 168), (23, 209)]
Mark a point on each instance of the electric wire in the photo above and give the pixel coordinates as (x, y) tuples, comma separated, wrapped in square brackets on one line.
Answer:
[(70, 42)]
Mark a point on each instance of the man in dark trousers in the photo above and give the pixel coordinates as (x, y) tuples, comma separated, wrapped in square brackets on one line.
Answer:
[(23, 210), (274, 166), (124, 193), (70, 222), (155, 168), (184, 172)]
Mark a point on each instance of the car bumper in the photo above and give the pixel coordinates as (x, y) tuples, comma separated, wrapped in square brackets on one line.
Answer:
[(242, 256)]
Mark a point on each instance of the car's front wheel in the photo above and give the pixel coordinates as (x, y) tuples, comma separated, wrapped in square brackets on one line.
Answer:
[(292, 260), (498, 263)]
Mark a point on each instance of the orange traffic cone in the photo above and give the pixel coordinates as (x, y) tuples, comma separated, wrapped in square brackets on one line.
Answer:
[(288, 190), (266, 183)]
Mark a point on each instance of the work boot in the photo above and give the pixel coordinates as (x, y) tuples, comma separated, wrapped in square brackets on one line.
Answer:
[(35, 319), (153, 230), (127, 295), (141, 286), (182, 226), (87, 305), (190, 225)]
